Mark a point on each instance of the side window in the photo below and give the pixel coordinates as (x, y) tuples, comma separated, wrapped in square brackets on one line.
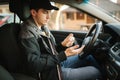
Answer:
[(6, 16), (68, 18)]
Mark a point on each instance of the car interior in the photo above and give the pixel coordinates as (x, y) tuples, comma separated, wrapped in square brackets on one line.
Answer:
[(104, 45)]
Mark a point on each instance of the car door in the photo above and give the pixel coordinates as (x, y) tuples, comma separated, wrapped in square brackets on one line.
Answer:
[(61, 35)]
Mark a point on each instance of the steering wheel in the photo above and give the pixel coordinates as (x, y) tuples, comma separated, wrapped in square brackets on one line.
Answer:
[(90, 39)]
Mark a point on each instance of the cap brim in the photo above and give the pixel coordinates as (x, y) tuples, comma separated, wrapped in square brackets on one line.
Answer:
[(55, 8), (51, 8)]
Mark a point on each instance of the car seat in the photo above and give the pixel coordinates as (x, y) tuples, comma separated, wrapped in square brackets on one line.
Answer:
[(10, 54)]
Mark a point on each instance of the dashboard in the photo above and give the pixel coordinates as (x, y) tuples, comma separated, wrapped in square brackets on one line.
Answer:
[(112, 65)]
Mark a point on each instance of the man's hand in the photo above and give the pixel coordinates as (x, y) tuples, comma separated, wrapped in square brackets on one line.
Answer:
[(68, 41), (74, 50)]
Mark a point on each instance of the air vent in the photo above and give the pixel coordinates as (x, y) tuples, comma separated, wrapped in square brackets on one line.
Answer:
[(116, 47)]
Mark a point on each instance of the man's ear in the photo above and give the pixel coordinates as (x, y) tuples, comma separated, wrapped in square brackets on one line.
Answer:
[(33, 12)]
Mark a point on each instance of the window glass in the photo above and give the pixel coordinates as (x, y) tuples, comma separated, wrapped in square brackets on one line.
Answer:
[(66, 18), (69, 18), (6, 16)]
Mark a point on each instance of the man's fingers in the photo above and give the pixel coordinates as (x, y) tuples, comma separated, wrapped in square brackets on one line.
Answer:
[(79, 50), (74, 47), (69, 36)]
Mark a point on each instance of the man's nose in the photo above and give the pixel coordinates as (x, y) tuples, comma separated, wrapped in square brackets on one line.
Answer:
[(48, 16)]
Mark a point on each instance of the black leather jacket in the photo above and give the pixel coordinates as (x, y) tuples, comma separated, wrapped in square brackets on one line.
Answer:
[(38, 57)]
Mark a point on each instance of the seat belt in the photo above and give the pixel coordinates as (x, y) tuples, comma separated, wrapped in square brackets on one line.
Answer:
[(53, 49), (58, 65)]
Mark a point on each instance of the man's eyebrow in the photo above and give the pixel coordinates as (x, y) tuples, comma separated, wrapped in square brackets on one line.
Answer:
[(47, 10)]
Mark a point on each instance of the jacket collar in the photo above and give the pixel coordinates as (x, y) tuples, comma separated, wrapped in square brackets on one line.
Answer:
[(33, 25)]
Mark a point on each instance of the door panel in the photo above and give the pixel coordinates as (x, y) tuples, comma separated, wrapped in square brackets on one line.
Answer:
[(61, 35)]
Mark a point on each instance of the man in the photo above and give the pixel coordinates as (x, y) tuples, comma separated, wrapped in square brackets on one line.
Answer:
[(39, 48)]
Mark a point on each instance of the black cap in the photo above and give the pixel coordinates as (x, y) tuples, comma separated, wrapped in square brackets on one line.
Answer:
[(45, 4)]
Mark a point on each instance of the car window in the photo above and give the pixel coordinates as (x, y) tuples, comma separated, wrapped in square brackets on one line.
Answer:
[(66, 18), (69, 18), (6, 16)]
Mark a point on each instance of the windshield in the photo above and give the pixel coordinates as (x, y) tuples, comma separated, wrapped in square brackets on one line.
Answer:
[(111, 7)]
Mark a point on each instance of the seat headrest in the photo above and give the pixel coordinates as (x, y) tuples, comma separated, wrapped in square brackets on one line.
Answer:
[(21, 8)]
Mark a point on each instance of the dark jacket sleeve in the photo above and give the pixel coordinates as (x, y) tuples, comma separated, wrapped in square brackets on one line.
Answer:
[(60, 48), (38, 61)]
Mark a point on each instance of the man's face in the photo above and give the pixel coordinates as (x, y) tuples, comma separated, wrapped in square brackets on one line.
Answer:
[(41, 16)]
